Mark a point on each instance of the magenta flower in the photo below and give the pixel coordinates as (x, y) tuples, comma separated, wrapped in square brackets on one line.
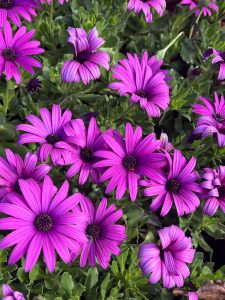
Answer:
[(203, 7), (104, 236), (214, 186), (192, 296), (146, 7), (13, 9), (218, 58), (47, 132), (168, 260), (87, 58), (128, 159), (14, 168), (82, 144), (212, 120), (50, 1), (179, 185), (164, 143), (9, 294), (42, 220), (142, 79), (15, 51)]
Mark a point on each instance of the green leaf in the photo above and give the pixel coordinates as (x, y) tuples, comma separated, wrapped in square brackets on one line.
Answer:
[(92, 278), (67, 282)]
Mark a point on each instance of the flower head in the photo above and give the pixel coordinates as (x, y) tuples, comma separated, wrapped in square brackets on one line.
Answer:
[(14, 168), (87, 57), (10, 294), (47, 132), (128, 159), (201, 6), (33, 85), (104, 236), (218, 58), (146, 7), (214, 186), (142, 79), (168, 260), (42, 220), (178, 185), (212, 120)]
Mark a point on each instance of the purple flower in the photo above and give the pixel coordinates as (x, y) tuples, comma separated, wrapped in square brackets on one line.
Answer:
[(13, 9), (87, 58), (16, 50), (214, 186), (168, 260), (47, 132), (14, 168), (212, 120), (42, 220), (146, 7), (33, 85), (50, 1), (218, 58), (203, 7), (179, 185), (128, 159), (192, 296), (142, 79), (104, 236), (164, 143), (9, 294)]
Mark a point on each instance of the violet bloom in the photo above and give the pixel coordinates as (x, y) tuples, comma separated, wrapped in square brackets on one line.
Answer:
[(10, 294), (212, 120), (42, 220), (201, 6), (47, 132), (164, 143), (192, 296), (14, 168), (218, 58), (87, 58), (168, 260), (146, 6), (13, 9), (128, 159), (104, 236), (15, 51), (82, 144), (179, 185), (214, 187), (50, 1), (144, 81)]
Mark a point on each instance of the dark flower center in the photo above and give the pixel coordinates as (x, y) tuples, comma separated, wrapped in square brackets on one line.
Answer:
[(6, 3), (222, 54), (8, 53), (33, 85), (17, 187), (221, 191), (83, 56), (142, 94), (86, 154), (93, 231), (43, 222), (218, 117), (129, 162), (52, 139), (172, 186)]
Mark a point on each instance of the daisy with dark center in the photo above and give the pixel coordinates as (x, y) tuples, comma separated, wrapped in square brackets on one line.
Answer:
[(82, 144), (42, 220), (47, 132), (103, 234), (201, 6), (13, 168), (13, 9), (179, 185), (144, 81), (218, 59), (128, 159), (87, 57), (15, 51)]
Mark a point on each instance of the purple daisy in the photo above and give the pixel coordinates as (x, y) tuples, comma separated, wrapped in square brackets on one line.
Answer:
[(10, 294), (214, 187), (42, 220), (14, 168), (15, 51), (128, 159), (146, 7), (13, 9), (218, 58), (212, 120), (87, 58), (144, 81), (104, 236), (178, 185), (168, 260), (201, 6), (47, 132), (82, 144)]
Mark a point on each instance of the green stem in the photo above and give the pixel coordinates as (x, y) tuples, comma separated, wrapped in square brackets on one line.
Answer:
[(193, 26), (51, 15), (161, 53)]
